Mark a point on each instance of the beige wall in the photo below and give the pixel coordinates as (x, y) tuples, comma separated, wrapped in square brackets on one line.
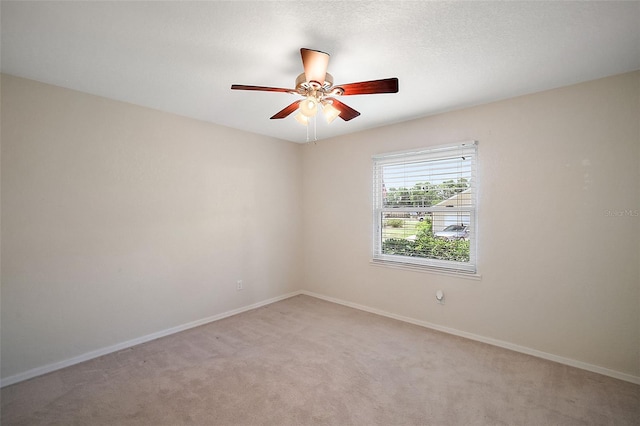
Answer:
[(120, 221), (559, 275)]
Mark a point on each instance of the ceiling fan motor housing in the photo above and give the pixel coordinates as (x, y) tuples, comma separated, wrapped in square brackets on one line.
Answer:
[(305, 87)]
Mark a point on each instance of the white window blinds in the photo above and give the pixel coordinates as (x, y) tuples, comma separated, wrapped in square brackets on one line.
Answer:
[(425, 207)]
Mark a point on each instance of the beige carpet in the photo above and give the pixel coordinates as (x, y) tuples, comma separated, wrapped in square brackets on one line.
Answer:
[(304, 361)]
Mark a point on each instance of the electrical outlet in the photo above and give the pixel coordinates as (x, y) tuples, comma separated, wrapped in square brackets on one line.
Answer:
[(239, 285)]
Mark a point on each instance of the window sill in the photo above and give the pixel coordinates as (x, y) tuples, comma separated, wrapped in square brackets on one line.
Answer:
[(425, 269)]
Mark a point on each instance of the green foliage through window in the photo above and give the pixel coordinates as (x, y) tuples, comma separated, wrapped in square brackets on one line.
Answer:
[(395, 223), (424, 194), (427, 246)]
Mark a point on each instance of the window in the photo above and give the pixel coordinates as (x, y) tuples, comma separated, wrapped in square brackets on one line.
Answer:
[(425, 207)]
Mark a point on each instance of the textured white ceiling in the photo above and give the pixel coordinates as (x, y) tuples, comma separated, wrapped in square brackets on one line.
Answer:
[(182, 57)]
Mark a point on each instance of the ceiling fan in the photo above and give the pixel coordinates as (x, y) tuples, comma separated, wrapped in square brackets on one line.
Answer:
[(316, 87)]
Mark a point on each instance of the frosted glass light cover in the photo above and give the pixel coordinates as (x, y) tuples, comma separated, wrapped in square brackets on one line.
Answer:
[(302, 119), (330, 112), (309, 106)]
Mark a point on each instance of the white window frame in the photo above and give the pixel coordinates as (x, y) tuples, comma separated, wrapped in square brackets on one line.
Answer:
[(468, 148)]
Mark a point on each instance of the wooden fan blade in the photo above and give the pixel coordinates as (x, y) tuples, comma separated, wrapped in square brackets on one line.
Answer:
[(287, 110), (261, 88), (387, 85), (315, 65), (346, 112)]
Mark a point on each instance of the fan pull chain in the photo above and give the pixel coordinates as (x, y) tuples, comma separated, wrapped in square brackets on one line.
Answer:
[(315, 134), (307, 126)]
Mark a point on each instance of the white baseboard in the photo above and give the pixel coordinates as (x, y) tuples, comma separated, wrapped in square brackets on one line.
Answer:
[(130, 343), (495, 342)]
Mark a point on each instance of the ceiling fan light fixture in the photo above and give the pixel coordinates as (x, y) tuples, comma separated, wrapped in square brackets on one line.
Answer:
[(330, 112), (315, 86), (302, 119), (309, 106)]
